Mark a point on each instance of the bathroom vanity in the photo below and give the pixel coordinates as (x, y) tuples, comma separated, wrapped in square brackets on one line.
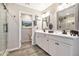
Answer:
[(57, 44)]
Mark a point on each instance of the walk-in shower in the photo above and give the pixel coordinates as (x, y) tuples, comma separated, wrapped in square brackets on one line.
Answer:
[(3, 29)]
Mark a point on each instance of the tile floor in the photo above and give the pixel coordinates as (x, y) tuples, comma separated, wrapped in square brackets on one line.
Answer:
[(28, 50)]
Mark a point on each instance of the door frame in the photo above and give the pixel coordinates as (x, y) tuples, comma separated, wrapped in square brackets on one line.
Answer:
[(20, 22)]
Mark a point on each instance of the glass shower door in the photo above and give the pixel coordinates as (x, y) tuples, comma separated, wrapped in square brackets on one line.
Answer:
[(3, 33)]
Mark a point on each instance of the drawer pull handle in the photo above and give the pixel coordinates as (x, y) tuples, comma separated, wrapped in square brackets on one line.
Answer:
[(47, 40), (57, 43)]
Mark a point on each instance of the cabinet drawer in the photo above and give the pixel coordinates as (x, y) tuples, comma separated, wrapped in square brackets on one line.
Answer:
[(62, 49), (57, 48), (65, 40)]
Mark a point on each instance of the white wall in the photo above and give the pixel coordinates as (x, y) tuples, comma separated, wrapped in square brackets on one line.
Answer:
[(26, 17), (13, 24)]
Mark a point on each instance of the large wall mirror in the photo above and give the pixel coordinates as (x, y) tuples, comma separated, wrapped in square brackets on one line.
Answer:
[(66, 19)]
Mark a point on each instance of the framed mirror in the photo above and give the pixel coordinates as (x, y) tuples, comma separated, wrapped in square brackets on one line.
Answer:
[(45, 22)]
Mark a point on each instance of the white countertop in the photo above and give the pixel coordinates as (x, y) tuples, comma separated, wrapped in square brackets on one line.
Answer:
[(57, 34)]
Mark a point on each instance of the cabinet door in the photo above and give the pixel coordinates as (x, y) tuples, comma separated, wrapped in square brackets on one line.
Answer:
[(45, 42), (42, 41), (52, 47), (38, 39), (62, 49), (57, 48)]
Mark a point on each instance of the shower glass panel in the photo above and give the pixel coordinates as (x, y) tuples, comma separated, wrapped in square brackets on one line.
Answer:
[(3, 33)]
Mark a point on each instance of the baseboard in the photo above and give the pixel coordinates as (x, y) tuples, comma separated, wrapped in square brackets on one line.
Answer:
[(26, 41), (13, 49), (5, 54), (16, 47)]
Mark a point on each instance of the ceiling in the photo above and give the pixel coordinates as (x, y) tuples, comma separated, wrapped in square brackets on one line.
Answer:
[(65, 5), (36, 6), (43, 6)]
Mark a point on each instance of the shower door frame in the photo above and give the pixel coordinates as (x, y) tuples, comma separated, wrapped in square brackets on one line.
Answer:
[(4, 28)]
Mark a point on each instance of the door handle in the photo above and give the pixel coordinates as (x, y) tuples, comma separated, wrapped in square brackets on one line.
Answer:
[(5, 27)]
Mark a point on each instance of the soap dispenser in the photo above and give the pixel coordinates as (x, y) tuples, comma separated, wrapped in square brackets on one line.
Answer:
[(64, 32)]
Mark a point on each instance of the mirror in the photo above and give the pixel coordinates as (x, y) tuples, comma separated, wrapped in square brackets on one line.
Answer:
[(66, 19), (45, 22), (66, 22)]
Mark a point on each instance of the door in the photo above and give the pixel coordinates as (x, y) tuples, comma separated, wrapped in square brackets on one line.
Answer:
[(3, 33)]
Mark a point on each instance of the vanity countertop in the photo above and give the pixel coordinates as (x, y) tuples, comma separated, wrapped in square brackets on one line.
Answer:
[(57, 34)]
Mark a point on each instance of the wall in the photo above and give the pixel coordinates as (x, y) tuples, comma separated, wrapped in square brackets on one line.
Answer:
[(13, 24), (26, 17)]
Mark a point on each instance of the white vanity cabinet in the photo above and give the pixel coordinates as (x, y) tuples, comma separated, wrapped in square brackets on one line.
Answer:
[(45, 43), (62, 49), (52, 48), (56, 45), (58, 48), (42, 41), (39, 39)]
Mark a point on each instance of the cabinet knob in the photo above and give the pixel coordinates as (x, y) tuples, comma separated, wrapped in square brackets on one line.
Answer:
[(47, 40), (57, 43)]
